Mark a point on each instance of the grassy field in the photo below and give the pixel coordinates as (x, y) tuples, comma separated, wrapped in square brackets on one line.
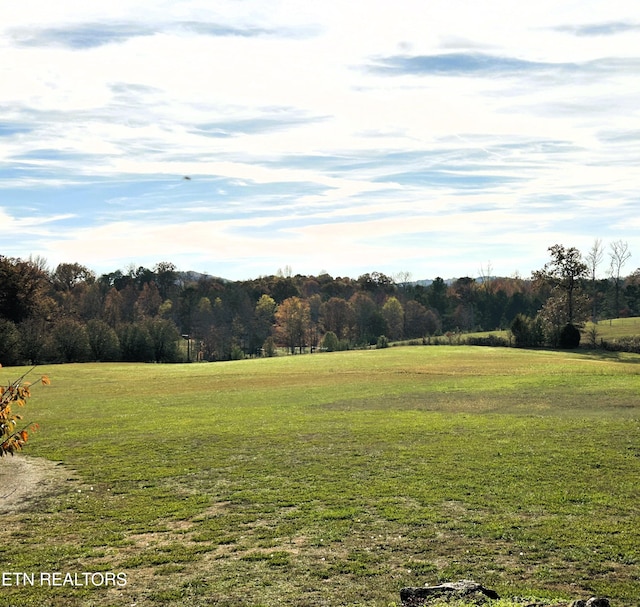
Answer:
[(615, 328), (611, 329), (336, 479)]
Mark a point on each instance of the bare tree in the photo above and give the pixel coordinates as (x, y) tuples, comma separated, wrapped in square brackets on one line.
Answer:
[(619, 255), (594, 259), (486, 276), (402, 279)]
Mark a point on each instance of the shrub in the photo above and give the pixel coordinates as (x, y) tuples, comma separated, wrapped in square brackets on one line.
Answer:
[(269, 347), (622, 344), (490, 340), (237, 353), (383, 342), (12, 437), (526, 331), (330, 342), (344, 344), (569, 336)]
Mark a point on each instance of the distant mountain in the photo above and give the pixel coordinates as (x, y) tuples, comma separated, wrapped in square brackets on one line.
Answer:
[(449, 281), (192, 276), (425, 282)]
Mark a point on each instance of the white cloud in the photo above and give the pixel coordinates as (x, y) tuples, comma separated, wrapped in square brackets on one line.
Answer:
[(114, 101)]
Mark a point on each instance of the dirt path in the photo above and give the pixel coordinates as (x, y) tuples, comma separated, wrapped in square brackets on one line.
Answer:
[(24, 478)]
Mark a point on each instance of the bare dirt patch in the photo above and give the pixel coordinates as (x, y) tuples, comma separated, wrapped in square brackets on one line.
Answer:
[(23, 479)]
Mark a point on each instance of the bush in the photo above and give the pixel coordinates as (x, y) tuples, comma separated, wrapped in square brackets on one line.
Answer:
[(494, 341), (269, 347), (527, 332), (13, 435), (344, 344), (622, 344), (569, 337), (330, 342), (237, 353), (383, 342)]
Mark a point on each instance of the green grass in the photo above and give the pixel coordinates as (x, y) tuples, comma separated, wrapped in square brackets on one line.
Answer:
[(337, 479), (611, 329), (615, 328)]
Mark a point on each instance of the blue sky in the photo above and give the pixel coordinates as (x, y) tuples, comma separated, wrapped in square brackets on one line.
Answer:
[(436, 138)]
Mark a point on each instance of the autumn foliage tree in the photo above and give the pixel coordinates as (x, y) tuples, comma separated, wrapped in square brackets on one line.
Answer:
[(563, 273), (292, 323), (139, 315), (13, 433)]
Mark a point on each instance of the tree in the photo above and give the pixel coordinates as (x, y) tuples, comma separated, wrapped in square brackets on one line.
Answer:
[(619, 255), (13, 437), (283, 287), (433, 325), (378, 284), (68, 275), (166, 277), (417, 320), (24, 290), (632, 293), (292, 323), (112, 312), (164, 338), (526, 331), (330, 342), (520, 330), (148, 302), (594, 258), (10, 351), (383, 342), (337, 317), (563, 272), (71, 282), (33, 339), (136, 343), (465, 291), (368, 321), (393, 314), (315, 307), (269, 347), (264, 317), (70, 341), (437, 296), (103, 341), (403, 280), (486, 277), (553, 317)]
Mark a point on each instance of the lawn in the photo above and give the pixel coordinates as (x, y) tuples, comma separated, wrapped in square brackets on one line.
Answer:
[(335, 478), (614, 328), (610, 329)]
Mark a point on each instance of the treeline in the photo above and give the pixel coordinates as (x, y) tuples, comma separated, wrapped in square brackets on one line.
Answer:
[(69, 314)]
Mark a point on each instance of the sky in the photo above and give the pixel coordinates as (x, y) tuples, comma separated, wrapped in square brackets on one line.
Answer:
[(240, 137)]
